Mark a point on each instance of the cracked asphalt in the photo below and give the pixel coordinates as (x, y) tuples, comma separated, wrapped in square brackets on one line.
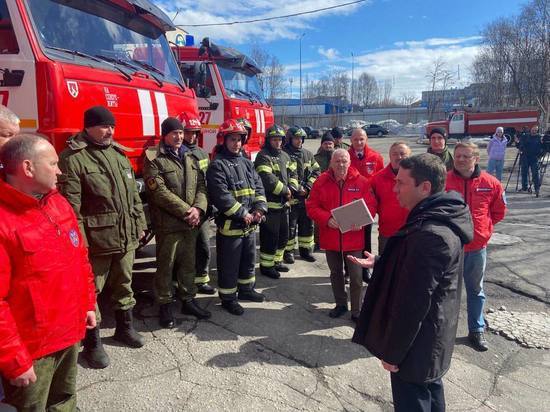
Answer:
[(287, 354)]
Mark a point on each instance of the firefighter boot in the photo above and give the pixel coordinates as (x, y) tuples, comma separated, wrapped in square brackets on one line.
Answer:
[(233, 307), (166, 316), (251, 295), (288, 258), (125, 331), (190, 307), (270, 272), (93, 351), (279, 267), (306, 254)]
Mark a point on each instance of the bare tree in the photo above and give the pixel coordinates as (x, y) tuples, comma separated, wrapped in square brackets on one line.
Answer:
[(367, 90), (272, 78), (440, 79), (513, 66)]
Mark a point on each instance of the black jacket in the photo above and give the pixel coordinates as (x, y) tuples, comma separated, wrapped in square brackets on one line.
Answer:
[(410, 312), (235, 189), (530, 145)]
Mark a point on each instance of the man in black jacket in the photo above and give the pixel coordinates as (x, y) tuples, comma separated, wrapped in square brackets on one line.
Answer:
[(410, 312)]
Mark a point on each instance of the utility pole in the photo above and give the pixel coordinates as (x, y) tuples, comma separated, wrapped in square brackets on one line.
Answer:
[(301, 37), (352, 67)]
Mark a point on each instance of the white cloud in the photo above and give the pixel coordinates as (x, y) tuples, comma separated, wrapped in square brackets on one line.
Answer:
[(407, 64), (329, 54), (215, 11)]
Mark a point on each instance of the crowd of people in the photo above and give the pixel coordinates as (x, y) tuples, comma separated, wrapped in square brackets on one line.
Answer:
[(70, 226)]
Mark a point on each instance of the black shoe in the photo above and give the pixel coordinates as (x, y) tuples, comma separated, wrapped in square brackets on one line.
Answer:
[(125, 331), (93, 351), (477, 339), (338, 311), (307, 255), (251, 295), (279, 267), (288, 258), (354, 318), (233, 307), (536, 193), (190, 307), (166, 316), (206, 289), (270, 272)]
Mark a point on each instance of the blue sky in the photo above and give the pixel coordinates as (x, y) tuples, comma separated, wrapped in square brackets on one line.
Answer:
[(395, 40)]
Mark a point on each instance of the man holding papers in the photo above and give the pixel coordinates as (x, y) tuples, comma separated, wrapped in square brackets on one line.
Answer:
[(338, 186)]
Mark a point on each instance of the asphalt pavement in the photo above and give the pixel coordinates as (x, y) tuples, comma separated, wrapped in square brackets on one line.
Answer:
[(287, 354)]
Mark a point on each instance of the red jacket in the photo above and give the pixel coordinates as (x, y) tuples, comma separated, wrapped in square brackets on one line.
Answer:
[(391, 216), (485, 197), (326, 195), (46, 282), (371, 162)]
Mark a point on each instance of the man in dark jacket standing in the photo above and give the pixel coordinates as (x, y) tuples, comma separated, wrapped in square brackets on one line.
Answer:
[(438, 147), (236, 191), (307, 171), (177, 196), (530, 147), (191, 133), (410, 312), (280, 184), (99, 183)]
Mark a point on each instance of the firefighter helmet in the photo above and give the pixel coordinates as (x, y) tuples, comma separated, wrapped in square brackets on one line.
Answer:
[(190, 122), (229, 127), (275, 131), (248, 126), (295, 131)]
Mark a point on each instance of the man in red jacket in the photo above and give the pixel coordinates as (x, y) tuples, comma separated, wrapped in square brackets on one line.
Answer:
[(391, 215), (339, 185), (486, 199), (367, 162), (47, 293)]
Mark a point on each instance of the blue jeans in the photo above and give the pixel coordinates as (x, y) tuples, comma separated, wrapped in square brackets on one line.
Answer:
[(495, 167), (474, 270)]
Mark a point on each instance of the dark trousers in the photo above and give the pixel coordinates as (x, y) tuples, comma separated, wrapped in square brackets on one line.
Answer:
[(273, 237), (382, 240), (533, 164), (235, 258), (416, 397), (55, 386), (202, 258), (299, 222), (335, 262), (368, 242)]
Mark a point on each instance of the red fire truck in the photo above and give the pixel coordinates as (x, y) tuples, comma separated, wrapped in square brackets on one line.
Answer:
[(58, 58), (462, 123), (226, 85)]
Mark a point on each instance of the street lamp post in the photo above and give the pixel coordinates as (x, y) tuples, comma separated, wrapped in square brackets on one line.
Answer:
[(352, 67), (301, 37)]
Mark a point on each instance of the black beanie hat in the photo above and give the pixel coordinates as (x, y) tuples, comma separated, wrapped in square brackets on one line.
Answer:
[(98, 116), (439, 130), (337, 133), (169, 125), (327, 137)]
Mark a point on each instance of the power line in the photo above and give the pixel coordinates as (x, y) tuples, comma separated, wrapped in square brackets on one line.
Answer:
[(271, 18)]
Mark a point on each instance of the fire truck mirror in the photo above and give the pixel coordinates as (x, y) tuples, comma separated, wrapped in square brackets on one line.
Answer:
[(203, 91), (12, 78)]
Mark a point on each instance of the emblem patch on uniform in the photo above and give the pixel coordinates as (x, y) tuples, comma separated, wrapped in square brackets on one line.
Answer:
[(353, 189), (73, 235), (152, 183), (483, 189)]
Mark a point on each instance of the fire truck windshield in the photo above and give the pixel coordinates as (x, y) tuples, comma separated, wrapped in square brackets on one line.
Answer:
[(241, 85), (80, 32)]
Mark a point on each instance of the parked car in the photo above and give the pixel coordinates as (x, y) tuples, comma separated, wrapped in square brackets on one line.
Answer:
[(311, 133), (375, 130), (371, 130)]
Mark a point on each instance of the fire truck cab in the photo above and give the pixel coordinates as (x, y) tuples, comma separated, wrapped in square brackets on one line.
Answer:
[(226, 85), (60, 57)]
